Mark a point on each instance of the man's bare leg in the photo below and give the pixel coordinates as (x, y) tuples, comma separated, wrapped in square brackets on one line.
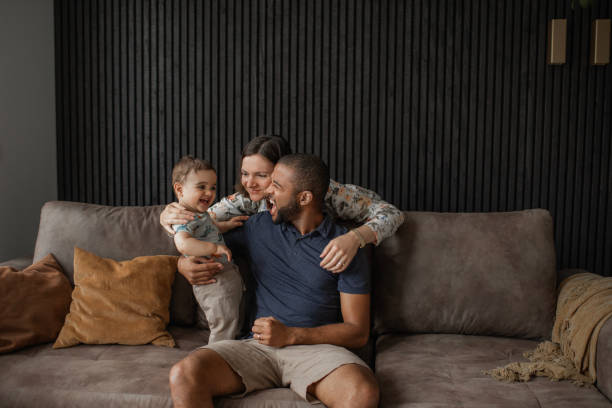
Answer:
[(350, 385), (199, 377)]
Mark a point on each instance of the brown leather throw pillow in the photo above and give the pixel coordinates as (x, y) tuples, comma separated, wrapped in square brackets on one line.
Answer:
[(119, 302), (33, 304)]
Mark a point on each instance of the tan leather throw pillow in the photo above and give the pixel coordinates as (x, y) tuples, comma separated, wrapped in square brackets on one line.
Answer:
[(33, 304), (119, 302)]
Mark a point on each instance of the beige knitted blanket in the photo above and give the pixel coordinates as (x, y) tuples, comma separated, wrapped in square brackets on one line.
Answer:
[(583, 306)]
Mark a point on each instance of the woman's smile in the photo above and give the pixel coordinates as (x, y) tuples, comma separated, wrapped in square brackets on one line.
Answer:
[(255, 175)]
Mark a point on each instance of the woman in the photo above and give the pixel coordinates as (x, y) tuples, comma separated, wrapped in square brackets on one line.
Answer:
[(379, 219)]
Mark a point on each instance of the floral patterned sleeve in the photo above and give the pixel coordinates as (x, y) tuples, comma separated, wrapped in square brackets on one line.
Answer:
[(235, 205), (351, 202)]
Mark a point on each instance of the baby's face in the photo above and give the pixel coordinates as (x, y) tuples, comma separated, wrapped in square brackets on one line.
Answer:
[(199, 190)]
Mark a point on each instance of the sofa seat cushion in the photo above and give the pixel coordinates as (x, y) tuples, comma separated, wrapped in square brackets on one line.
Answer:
[(90, 376), (445, 370)]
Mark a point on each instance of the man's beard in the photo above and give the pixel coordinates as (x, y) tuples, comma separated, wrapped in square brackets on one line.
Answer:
[(288, 212)]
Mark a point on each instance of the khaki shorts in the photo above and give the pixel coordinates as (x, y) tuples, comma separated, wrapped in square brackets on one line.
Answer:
[(296, 367)]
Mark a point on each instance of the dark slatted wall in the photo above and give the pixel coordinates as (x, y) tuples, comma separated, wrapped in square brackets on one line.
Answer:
[(437, 105)]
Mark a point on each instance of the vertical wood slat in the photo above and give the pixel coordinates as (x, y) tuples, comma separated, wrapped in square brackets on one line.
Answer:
[(435, 105)]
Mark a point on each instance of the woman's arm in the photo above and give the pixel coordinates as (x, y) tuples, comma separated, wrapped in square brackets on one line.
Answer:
[(232, 211), (360, 205), (349, 202), (235, 205)]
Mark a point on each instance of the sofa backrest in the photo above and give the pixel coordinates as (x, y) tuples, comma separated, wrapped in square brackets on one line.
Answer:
[(467, 273), (119, 233)]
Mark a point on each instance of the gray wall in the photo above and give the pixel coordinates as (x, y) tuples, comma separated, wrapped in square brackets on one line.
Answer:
[(28, 165)]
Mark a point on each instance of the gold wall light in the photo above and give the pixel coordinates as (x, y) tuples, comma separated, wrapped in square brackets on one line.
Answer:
[(600, 42), (557, 39)]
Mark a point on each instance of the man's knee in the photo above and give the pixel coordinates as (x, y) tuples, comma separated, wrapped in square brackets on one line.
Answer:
[(364, 392), (206, 373), (186, 371), (179, 373), (350, 386)]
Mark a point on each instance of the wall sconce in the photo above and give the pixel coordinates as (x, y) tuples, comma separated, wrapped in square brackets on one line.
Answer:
[(557, 39), (600, 42)]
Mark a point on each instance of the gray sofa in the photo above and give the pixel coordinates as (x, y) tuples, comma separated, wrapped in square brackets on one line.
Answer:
[(453, 295)]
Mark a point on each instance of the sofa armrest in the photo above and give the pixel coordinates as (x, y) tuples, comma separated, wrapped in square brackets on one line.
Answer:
[(18, 263), (604, 360)]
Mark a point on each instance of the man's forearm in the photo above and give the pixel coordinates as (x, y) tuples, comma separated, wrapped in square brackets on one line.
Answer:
[(339, 334)]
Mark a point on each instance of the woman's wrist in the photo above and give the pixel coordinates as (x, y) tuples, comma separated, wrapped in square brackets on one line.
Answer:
[(366, 233), (360, 239)]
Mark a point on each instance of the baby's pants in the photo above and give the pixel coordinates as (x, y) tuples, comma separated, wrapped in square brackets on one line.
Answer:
[(220, 302)]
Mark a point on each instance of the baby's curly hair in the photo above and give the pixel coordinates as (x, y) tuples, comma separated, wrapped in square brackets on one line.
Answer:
[(187, 164)]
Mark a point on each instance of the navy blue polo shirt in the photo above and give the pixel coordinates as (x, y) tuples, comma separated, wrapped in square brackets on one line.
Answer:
[(290, 284)]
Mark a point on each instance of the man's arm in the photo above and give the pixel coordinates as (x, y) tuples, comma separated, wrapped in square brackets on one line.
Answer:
[(352, 333)]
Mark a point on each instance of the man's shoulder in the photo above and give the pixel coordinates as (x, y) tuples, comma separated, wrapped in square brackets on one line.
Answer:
[(257, 223), (333, 228), (260, 218)]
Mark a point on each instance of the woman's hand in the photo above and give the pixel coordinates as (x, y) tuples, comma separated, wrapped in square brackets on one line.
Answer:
[(174, 213), (225, 226), (339, 252), (198, 270)]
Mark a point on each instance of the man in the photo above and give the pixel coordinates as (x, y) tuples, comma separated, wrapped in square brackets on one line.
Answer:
[(298, 335)]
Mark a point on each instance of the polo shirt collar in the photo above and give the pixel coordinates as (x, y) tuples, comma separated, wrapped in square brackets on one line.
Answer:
[(324, 229)]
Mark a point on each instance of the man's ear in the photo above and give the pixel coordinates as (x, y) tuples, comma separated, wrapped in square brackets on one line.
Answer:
[(178, 189), (305, 198)]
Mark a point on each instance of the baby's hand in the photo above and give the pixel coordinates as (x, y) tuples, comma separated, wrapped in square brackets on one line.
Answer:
[(223, 250)]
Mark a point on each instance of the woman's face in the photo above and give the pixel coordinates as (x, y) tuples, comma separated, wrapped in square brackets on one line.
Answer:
[(255, 175)]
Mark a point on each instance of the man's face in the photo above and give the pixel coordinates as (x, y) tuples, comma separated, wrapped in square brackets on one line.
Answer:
[(282, 195)]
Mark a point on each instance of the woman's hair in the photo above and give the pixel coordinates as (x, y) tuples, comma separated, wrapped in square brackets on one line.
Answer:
[(269, 146)]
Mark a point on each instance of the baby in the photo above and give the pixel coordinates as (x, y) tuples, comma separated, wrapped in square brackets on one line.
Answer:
[(195, 183)]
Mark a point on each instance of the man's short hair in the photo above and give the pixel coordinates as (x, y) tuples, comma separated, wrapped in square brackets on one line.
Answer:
[(187, 164), (310, 173)]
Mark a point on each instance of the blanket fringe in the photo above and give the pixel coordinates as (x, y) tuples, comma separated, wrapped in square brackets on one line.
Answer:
[(546, 360)]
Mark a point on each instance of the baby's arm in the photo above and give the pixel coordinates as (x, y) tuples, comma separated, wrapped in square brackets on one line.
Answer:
[(186, 244)]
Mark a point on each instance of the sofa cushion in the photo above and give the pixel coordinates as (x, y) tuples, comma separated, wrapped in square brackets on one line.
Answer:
[(118, 233), (33, 304), (446, 370), (110, 376), (119, 302), (480, 273)]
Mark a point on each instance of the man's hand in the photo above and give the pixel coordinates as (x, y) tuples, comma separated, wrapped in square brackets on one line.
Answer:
[(198, 270), (271, 332), (225, 226)]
